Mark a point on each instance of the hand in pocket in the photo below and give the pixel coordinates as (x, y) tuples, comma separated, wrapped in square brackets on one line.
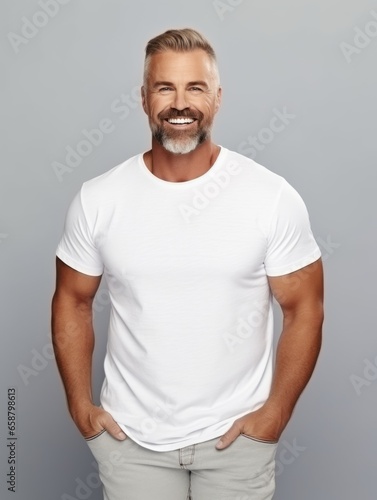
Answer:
[(92, 420)]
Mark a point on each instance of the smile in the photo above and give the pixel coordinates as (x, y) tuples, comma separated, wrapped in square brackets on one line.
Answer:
[(180, 121)]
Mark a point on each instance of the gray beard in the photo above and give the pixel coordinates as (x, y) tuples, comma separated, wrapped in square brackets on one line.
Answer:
[(180, 145)]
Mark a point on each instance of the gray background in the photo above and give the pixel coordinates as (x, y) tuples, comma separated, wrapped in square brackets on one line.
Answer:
[(71, 74)]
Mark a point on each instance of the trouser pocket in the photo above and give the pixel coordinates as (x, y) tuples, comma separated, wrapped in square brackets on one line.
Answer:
[(91, 438)]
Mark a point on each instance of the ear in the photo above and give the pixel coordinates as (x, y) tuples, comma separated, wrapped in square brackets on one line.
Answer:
[(218, 98), (143, 99)]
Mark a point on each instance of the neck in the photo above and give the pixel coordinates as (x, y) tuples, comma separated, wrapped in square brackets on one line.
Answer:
[(179, 168)]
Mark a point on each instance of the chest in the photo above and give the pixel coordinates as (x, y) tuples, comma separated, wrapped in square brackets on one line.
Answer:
[(173, 237)]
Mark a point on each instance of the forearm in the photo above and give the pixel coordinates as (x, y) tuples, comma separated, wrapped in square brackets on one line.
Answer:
[(297, 353), (73, 341), (296, 356)]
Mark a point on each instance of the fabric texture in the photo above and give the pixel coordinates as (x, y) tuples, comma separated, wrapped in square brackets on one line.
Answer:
[(244, 470), (187, 264)]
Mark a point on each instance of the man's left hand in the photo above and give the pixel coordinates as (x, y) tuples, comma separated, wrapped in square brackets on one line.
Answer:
[(262, 424)]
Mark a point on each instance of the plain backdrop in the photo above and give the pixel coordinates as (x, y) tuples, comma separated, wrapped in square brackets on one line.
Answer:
[(73, 66)]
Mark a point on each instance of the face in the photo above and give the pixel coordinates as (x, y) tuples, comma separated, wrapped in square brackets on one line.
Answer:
[(181, 97)]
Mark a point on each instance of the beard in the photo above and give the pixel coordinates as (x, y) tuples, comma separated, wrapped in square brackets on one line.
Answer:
[(181, 142)]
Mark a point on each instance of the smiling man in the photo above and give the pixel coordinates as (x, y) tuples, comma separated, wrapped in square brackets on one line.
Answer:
[(181, 110), (181, 95), (192, 405)]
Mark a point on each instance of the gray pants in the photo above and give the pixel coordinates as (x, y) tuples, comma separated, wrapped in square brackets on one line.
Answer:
[(243, 471)]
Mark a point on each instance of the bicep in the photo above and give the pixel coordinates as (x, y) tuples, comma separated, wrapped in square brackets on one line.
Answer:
[(301, 290), (75, 285)]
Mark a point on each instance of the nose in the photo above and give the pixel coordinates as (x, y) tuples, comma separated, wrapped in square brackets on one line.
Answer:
[(180, 100)]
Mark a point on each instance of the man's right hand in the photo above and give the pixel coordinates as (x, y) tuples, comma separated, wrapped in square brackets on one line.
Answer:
[(73, 340), (92, 420)]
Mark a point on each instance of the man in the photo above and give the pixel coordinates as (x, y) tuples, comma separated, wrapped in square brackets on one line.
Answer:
[(194, 240)]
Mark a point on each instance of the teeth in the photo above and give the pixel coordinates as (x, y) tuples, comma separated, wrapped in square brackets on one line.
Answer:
[(180, 121)]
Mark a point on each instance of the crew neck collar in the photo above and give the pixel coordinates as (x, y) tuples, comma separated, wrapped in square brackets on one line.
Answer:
[(178, 185)]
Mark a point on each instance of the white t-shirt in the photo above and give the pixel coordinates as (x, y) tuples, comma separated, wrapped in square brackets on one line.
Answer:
[(186, 263)]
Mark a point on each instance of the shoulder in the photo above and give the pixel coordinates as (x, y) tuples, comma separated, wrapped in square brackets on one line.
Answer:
[(254, 175), (110, 183), (114, 175)]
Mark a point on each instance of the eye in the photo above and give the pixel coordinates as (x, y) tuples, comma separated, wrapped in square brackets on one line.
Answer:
[(196, 89), (165, 90)]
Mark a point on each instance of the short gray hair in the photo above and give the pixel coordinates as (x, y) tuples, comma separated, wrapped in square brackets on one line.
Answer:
[(182, 40)]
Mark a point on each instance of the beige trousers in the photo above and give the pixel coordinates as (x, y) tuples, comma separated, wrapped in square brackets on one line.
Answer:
[(243, 471)]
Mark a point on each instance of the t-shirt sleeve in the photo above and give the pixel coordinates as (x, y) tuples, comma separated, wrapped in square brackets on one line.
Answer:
[(291, 244), (77, 248)]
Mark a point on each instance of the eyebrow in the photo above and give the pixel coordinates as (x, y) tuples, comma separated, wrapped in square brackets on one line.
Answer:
[(189, 84), (163, 84), (198, 82)]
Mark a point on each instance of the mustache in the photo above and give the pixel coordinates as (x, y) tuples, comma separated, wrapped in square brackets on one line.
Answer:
[(184, 113)]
